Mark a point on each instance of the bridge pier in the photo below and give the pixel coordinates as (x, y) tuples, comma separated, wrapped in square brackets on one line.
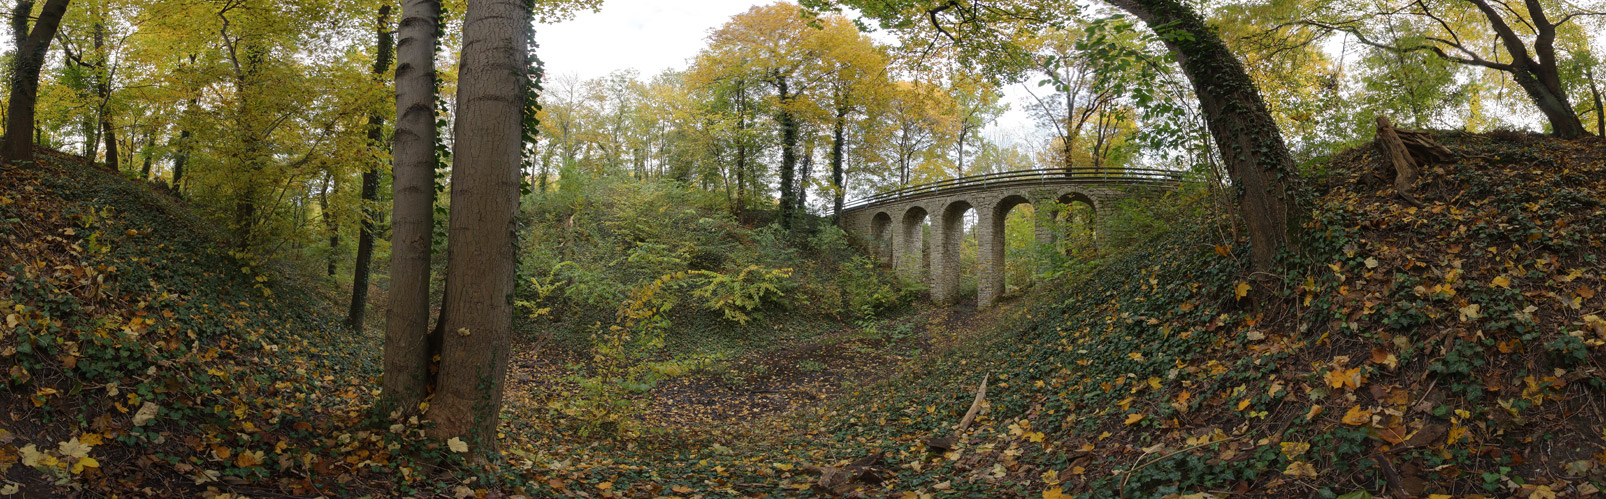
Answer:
[(990, 253)]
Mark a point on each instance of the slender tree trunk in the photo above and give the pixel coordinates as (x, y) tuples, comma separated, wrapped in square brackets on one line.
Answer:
[(329, 224), (407, 353), (370, 187), (805, 171), (741, 150), (1250, 142), (31, 50), (145, 154), (181, 159), (837, 175), (788, 152), (485, 198)]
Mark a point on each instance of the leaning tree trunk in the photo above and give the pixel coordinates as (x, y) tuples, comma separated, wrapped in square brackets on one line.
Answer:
[(31, 50), (485, 196), (355, 316), (407, 353), (1257, 159)]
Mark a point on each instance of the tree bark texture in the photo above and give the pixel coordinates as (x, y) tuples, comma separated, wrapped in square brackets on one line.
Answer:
[(485, 197), (1252, 146), (407, 355), (357, 314), (31, 50)]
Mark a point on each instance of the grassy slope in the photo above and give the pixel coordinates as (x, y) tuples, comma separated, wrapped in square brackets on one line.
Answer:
[(132, 337), (1454, 349)]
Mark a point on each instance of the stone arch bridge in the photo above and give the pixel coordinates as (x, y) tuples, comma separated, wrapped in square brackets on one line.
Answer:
[(891, 223)]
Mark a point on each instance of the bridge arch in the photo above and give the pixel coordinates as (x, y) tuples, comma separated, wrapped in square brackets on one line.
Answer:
[(908, 242), (881, 237), (950, 239), (992, 244)]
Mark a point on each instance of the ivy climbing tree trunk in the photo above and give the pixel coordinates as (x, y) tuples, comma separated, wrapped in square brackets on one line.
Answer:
[(407, 354), (485, 197), (1257, 159), (31, 50), (356, 315), (788, 150)]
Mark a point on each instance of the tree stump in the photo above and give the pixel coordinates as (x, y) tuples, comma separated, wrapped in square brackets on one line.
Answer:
[(1408, 151)]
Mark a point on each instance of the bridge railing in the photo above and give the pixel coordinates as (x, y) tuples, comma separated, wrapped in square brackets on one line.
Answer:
[(1078, 175)]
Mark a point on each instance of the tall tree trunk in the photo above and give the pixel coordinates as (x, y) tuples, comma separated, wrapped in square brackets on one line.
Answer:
[(788, 152), (805, 171), (370, 187), (145, 155), (1600, 112), (741, 150), (110, 135), (407, 353), (329, 224), (837, 175), (181, 159), (1250, 143), (31, 50), (103, 90), (485, 198)]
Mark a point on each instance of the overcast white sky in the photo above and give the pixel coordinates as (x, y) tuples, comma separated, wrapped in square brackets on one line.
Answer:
[(648, 35), (653, 35)]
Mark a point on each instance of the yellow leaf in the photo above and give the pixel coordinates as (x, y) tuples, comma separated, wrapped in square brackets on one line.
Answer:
[(1243, 403), (1314, 411), (680, 489), (1054, 493), (90, 439), (1300, 469), (457, 445), (605, 485), (1470, 313), (1241, 290), (1295, 449), (1133, 418), (1357, 416), (1501, 282), (84, 462), (1371, 263), (1137, 356)]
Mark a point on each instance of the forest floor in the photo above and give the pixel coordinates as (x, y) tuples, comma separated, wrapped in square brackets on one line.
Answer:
[(799, 371), (1453, 349)]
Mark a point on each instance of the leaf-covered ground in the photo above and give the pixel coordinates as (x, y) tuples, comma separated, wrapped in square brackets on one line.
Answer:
[(1454, 349)]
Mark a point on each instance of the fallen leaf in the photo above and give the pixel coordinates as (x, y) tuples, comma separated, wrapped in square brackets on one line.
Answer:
[(1300, 469), (145, 414), (457, 445), (1357, 416)]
